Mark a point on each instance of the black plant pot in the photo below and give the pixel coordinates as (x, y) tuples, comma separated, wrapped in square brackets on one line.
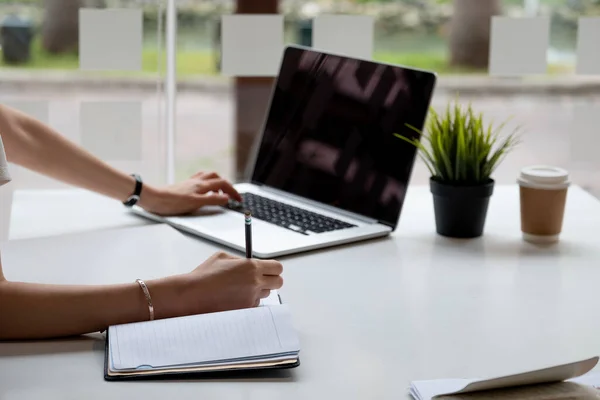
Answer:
[(460, 211)]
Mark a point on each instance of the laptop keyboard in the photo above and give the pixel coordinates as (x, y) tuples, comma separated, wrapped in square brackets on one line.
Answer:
[(287, 216)]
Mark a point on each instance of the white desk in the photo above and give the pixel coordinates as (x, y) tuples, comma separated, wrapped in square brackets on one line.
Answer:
[(53, 212), (372, 317)]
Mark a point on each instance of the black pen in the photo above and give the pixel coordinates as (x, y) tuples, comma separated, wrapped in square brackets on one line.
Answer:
[(248, 219)]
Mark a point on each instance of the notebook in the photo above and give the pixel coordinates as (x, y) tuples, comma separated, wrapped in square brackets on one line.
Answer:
[(561, 381), (247, 339)]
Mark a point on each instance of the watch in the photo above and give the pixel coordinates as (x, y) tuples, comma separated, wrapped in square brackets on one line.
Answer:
[(135, 196)]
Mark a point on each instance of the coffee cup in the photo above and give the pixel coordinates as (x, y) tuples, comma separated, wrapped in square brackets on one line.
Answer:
[(543, 195)]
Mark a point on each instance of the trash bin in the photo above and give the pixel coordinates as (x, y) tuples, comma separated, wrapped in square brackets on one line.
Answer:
[(15, 37), (305, 32)]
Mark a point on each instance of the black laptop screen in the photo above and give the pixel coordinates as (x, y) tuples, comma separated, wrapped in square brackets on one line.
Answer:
[(329, 133)]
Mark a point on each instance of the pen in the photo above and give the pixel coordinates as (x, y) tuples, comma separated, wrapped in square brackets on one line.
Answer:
[(248, 220)]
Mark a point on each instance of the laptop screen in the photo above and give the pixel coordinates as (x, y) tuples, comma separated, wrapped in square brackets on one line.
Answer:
[(329, 133)]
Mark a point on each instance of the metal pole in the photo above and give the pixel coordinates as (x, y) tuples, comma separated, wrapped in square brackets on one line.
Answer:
[(171, 88)]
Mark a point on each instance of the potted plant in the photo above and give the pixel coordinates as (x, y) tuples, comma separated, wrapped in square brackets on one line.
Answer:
[(461, 153)]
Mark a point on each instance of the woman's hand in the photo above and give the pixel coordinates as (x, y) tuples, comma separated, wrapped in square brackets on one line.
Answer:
[(221, 283), (202, 189)]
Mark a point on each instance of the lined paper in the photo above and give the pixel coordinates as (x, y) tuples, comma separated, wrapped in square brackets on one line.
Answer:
[(259, 333)]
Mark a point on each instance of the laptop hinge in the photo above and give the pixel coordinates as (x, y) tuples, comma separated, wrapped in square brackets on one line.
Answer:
[(322, 206)]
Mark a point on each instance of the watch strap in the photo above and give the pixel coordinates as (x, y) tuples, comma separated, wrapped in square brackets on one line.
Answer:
[(135, 196)]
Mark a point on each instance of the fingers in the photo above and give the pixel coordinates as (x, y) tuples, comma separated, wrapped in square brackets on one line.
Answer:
[(263, 295), (264, 267), (272, 282), (206, 175), (224, 256), (270, 267), (219, 185), (212, 199)]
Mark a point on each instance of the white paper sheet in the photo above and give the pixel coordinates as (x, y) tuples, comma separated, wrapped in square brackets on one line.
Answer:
[(254, 333), (540, 383)]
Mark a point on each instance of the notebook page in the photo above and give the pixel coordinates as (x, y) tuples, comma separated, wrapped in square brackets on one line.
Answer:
[(431, 388), (193, 340), (552, 374)]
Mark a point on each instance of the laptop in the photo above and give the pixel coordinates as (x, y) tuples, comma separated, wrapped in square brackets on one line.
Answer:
[(327, 169)]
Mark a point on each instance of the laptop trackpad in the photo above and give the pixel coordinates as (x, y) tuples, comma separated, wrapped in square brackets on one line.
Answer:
[(229, 226), (212, 219)]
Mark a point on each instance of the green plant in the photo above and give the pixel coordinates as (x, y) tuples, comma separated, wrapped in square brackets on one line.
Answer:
[(459, 148)]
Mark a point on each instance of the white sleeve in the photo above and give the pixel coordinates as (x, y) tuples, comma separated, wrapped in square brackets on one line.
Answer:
[(4, 175)]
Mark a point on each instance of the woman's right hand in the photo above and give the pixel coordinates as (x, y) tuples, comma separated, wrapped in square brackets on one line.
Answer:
[(221, 283)]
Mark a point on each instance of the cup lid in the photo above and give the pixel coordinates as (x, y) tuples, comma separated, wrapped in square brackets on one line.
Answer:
[(544, 174)]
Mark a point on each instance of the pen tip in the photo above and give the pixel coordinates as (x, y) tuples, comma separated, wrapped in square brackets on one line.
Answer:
[(247, 213)]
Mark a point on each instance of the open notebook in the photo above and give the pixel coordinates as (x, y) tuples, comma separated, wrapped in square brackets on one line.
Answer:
[(247, 339), (567, 381)]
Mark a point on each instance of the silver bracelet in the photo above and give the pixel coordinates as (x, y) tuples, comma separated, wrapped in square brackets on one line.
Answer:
[(148, 297)]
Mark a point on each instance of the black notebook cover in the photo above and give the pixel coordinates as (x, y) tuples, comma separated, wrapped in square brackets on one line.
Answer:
[(250, 372)]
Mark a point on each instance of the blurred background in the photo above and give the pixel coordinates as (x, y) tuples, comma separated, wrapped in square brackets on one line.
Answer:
[(449, 37)]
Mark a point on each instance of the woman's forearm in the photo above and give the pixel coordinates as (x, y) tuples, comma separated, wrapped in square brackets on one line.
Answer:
[(35, 146), (36, 311)]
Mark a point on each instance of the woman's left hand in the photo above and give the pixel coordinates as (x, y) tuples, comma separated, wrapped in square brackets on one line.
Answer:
[(202, 189)]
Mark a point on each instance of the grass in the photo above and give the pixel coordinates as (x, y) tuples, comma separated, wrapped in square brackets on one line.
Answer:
[(188, 63), (429, 61), (438, 62), (198, 63)]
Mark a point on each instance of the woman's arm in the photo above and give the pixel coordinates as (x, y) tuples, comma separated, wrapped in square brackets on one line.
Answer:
[(38, 147), (35, 146), (34, 311), (223, 282)]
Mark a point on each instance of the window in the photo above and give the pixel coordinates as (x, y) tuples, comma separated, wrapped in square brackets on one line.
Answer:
[(74, 88)]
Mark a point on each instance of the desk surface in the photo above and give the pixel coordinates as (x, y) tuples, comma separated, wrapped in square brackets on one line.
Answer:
[(38, 213), (371, 316)]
